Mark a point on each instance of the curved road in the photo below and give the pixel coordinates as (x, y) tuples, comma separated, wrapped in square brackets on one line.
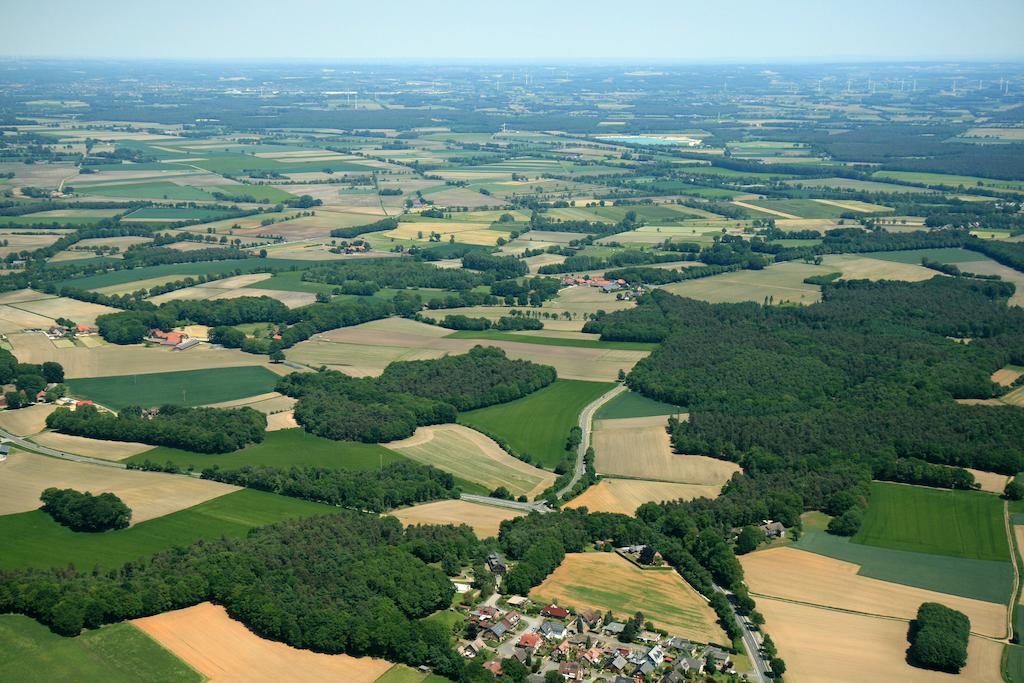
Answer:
[(586, 418), (27, 445)]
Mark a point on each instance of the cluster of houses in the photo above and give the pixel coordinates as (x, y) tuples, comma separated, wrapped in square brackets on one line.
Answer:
[(581, 645), (62, 331), (179, 341), (604, 284)]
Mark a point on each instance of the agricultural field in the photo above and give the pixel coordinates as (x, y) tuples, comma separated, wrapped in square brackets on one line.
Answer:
[(779, 283), (187, 388), (484, 519), (93, 448), (34, 539), (606, 581), (632, 404), (119, 653), (942, 179), (471, 456), (538, 424), (624, 496), (222, 649), (640, 448), (856, 267), (26, 421)]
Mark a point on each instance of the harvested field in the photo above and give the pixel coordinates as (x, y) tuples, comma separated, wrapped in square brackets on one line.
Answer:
[(82, 312), (470, 455), (607, 581), (270, 402), (626, 495), (26, 421), (15, 320), (639, 447), (19, 295), (859, 649), (136, 285), (801, 576), (483, 518), (289, 299), (783, 282), (284, 420), (1006, 376), (148, 494), (225, 651), (464, 233), (94, 448), (855, 267), (990, 481)]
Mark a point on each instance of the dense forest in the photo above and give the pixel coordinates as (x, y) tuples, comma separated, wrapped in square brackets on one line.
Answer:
[(85, 512), (204, 430)]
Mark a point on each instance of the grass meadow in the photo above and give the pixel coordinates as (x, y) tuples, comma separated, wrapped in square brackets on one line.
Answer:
[(496, 335), (187, 388), (631, 404)]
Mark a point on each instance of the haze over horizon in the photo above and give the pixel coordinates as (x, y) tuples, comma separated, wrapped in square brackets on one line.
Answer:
[(531, 30)]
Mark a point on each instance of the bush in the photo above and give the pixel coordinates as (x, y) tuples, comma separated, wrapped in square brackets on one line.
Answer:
[(846, 524), (85, 512), (938, 638), (1014, 490)]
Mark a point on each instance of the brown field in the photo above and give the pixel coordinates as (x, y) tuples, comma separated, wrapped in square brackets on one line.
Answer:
[(773, 212), (465, 233), (14, 320), (82, 312), (289, 299), (855, 267), (640, 448), (119, 242), (271, 402), (859, 649), (792, 574), (483, 518), (470, 455), (225, 651), (94, 448), (148, 494), (626, 495), (20, 242), (20, 295), (26, 421), (283, 420), (606, 581), (990, 481), (1015, 397), (1006, 376)]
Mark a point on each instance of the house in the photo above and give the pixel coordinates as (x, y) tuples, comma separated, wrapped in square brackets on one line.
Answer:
[(517, 601), (656, 655), (166, 338), (773, 529), (494, 666), (80, 404), (555, 612), (591, 618), (496, 563), (617, 664), (500, 629), (680, 644), (530, 642), (56, 331), (186, 344), (571, 671), (484, 613), (644, 670), (614, 628), (593, 657), (552, 630), (690, 665), (648, 637), (470, 650), (562, 650), (717, 656)]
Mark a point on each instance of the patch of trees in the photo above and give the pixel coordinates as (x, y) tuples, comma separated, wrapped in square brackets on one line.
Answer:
[(204, 430), (662, 276), (393, 272), (627, 257), (463, 299), (505, 323), (527, 291), (395, 485), (501, 267), (156, 256), (85, 512), (1010, 254), (357, 230), (938, 638)]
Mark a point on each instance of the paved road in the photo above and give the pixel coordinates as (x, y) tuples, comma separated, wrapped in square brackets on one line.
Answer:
[(585, 421), (761, 673), (536, 506), (27, 445)]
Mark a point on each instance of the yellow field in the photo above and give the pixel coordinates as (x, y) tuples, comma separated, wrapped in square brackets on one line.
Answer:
[(225, 651), (640, 448), (465, 233), (484, 519), (853, 205), (1006, 376), (14, 320), (626, 495), (859, 649), (26, 421), (470, 455), (801, 576), (781, 281), (94, 448), (82, 312), (990, 481), (854, 267), (606, 581), (148, 494), (270, 402), (282, 420)]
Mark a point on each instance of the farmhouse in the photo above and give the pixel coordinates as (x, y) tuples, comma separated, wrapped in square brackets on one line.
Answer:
[(773, 529), (530, 642), (496, 563), (555, 612)]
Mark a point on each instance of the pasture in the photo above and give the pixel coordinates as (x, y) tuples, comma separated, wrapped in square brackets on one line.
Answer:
[(118, 653), (33, 539), (967, 524), (222, 649), (624, 496), (857, 267), (860, 649), (833, 583), (640, 448), (632, 404), (464, 233), (606, 581), (471, 456), (538, 423), (944, 180), (781, 283), (187, 388), (484, 519)]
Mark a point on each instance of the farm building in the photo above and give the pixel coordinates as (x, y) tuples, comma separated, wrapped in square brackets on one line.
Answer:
[(496, 563)]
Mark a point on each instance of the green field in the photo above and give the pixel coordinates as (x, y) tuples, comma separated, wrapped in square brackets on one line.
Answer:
[(119, 653), (538, 424), (632, 404), (966, 524), (34, 539), (949, 180), (257, 192), (237, 164), (914, 256), (176, 213), (979, 579), (161, 189), (120, 277), (1013, 664), (803, 208), (187, 388), (291, 281), (783, 282), (281, 448), (496, 335)]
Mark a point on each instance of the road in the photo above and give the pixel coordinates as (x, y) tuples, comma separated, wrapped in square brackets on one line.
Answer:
[(585, 421), (27, 445), (536, 506), (761, 673)]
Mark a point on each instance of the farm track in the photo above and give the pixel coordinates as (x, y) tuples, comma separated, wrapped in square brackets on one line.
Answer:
[(585, 423)]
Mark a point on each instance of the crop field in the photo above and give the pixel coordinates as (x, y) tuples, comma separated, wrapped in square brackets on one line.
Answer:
[(148, 494), (25, 421), (118, 653), (987, 580), (188, 388), (801, 208), (222, 649), (856, 267), (631, 404), (782, 282), (157, 189), (464, 233), (120, 277), (624, 496), (854, 184), (484, 519), (860, 649), (833, 583), (495, 335), (82, 312), (949, 180), (989, 481), (640, 448), (282, 448), (539, 423), (93, 448), (953, 255), (165, 213), (471, 456), (606, 581), (965, 524), (33, 539)]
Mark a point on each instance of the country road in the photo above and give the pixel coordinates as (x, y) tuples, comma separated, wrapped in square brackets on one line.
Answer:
[(761, 671), (536, 506), (585, 421), (27, 445)]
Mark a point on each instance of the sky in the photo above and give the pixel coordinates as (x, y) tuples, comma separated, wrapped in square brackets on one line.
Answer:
[(518, 31)]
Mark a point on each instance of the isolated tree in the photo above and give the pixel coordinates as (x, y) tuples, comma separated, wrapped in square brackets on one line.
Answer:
[(1014, 490), (748, 540)]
